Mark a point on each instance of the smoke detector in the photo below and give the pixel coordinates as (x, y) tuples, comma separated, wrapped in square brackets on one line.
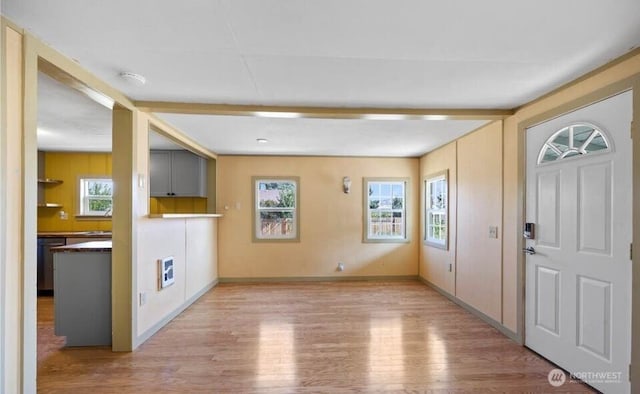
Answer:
[(133, 78)]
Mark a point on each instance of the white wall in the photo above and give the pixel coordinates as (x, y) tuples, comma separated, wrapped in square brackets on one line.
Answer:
[(192, 242)]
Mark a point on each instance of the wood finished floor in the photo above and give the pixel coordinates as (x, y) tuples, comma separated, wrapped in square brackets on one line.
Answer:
[(304, 337)]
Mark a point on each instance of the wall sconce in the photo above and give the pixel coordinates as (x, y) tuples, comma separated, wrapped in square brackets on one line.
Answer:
[(346, 184)]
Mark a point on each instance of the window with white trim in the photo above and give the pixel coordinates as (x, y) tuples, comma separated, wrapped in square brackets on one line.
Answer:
[(386, 210), (276, 208), (96, 196), (436, 232)]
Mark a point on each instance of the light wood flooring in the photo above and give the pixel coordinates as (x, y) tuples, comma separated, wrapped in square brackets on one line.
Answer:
[(304, 337)]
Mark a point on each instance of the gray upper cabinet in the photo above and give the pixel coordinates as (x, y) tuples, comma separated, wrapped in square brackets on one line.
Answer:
[(177, 173)]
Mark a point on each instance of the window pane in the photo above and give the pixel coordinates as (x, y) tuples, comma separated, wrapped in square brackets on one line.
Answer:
[(580, 134), (438, 194), (596, 144), (374, 189), (276, 224), (398, 203), (562, 140), (386, 203), (99, 188), (398, 190), (276, 194), (385, 190), (386, 224), (99, 205), (549, 155)]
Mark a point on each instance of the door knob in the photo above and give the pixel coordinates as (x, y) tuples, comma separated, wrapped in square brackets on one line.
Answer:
[(529, 250)]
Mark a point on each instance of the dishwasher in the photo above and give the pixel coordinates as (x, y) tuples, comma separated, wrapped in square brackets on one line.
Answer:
[(45, 263)]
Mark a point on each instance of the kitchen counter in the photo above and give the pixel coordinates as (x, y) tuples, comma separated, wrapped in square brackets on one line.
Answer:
[(93, 246), (75, 234)]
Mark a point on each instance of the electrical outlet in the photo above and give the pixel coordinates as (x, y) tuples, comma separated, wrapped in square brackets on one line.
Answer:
[(63, 215), (143, 298), (493, 232), (340, 267)]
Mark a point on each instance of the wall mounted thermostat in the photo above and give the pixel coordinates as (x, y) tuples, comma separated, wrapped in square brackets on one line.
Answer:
[(166, 272), (529, 231)]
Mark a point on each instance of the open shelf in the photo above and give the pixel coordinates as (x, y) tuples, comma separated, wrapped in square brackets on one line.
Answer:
[(49, 181)]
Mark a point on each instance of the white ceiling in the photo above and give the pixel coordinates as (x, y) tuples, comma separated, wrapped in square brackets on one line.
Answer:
[(491, 54), (70, 121), (330, 137)]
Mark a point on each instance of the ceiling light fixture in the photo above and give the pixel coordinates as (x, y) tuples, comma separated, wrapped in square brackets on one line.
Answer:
[(384, 117), (133, 78), (262, 140)]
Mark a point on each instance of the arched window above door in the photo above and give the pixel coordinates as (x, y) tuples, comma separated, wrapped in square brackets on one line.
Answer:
[(574, 140)]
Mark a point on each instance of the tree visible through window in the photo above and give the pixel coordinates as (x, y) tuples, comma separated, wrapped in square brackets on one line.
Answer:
[(96, 196), (386, 210), (276, 205)]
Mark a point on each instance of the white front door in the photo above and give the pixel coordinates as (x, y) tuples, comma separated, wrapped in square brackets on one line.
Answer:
[(578, 282)]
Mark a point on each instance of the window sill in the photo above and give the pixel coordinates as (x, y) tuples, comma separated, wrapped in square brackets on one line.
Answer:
[(92, 217), (386, 240), (443, 246)]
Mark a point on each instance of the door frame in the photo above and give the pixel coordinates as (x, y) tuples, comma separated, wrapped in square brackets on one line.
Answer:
[(39, 57), (630, 83)]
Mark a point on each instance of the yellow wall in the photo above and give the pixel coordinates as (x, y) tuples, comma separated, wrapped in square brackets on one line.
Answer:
[(434, 262), (475, 203), (479, 257), (331, 221), (69, 168), (177, 205)]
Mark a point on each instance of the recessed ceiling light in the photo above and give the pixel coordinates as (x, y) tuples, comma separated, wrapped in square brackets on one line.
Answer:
[(133, 78), (384, 117), (262, 140)]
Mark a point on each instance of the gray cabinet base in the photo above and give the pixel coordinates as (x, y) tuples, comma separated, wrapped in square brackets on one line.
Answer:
[(82, 297)]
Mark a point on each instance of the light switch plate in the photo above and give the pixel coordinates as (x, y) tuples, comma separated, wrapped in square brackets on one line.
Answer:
[(493, 232)]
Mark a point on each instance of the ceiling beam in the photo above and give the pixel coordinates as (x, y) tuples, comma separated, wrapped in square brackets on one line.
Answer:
[(277, 111), (66, 79)]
